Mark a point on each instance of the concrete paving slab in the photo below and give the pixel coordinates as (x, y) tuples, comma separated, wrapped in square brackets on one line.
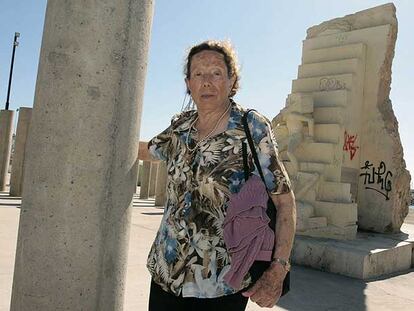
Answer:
[(311, 289)]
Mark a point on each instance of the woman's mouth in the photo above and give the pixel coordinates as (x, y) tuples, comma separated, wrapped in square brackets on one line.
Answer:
[(207, 96)]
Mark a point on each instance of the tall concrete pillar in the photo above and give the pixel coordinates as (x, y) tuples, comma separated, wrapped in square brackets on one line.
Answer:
[(81, 156), (16, 178), (153, 178), (139, 174), (161, 189), (6, 135), (145, 181)]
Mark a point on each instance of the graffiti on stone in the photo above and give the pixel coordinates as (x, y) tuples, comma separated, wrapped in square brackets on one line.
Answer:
[(350, 144), (377, 178), (331, 84)]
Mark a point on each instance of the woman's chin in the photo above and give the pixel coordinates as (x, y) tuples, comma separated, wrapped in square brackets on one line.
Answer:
[(210, 101)]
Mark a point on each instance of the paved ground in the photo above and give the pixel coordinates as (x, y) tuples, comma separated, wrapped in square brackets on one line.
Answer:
[(311, 289)]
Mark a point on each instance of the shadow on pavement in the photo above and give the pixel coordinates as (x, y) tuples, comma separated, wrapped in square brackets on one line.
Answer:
[(312, 290)]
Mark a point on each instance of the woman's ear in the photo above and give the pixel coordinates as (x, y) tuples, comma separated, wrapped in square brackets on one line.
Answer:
[(187, 83), (232, 82)]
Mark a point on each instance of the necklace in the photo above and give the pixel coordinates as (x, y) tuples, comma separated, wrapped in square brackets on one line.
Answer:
[(208, 135)]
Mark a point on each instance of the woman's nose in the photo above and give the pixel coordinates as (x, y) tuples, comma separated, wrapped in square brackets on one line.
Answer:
[(207, 79)]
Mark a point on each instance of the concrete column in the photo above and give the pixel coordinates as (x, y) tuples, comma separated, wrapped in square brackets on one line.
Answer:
[(6, 135), (81, 156), (145, 181), (153, 178), (16, 178), (161, 189), (139, 174)]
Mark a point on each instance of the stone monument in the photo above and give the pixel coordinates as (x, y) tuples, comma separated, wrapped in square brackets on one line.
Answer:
[(338, 134)]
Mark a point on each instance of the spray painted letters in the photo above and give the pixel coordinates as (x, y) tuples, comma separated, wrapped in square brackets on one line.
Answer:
[(350, 144), (379, 176)]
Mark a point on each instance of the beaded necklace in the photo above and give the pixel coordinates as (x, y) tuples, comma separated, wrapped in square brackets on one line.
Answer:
[(208, 135)]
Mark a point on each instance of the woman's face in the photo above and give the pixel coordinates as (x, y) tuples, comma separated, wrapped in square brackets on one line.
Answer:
[(209, 83)]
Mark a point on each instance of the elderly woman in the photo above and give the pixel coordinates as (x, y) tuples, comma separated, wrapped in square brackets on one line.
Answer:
[(189, 260)]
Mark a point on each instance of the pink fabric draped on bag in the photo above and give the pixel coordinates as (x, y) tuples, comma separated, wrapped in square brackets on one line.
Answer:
[(247, 234)]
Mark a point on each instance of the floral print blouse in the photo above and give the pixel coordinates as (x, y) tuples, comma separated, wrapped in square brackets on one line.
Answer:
[(188, 256)]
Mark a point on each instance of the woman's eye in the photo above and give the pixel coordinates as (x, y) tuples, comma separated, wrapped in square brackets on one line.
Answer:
[(198, 74), (217, 73)]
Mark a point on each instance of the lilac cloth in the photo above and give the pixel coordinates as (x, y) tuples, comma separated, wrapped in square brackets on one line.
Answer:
[(247, 234)]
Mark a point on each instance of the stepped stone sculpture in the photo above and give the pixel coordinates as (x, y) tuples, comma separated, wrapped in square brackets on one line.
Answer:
[(338, 131)]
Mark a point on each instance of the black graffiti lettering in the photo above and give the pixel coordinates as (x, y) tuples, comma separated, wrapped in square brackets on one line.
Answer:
[(388, 184), (369, 178), (379, 176)]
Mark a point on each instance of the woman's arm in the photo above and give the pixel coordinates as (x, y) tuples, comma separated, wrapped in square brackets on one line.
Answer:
[(267, 290), (285, 224)]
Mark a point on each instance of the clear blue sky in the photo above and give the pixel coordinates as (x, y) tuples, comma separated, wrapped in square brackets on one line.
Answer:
[(266, 33)]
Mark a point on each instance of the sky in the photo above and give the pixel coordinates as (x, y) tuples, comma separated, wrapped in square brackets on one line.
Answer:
[(267, 35)]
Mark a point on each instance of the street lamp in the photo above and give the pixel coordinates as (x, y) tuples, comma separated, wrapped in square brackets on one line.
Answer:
[(15, 44)]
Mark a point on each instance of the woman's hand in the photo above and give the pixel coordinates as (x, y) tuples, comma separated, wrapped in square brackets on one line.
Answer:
[(267, 290)]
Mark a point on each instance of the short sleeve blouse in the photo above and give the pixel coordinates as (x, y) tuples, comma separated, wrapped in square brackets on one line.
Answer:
[(189, 256)]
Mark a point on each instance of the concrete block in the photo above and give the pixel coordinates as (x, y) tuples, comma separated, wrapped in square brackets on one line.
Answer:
[(324, 83), (334, 192), (315, 152), (363, 258), (406, 235), (312, 167), (306, 225), (317, 222), (356, 50), (330, 172), (371, 17), (367, 36), (327, 133), (333, 172), (331, 232), (310, 195), (352, 65), (338, 214), (329, 115), (279, 131), (331, 98), (303, 210), (305, 100)]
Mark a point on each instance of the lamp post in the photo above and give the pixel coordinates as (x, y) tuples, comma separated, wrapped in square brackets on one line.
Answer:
[(15, 44)]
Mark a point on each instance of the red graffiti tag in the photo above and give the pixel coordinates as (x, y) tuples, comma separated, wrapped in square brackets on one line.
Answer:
[(350, 144)]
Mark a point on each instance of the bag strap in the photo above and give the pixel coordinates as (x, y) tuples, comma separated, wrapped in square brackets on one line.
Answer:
[(251, 144), (271, 210), (245, 162)]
